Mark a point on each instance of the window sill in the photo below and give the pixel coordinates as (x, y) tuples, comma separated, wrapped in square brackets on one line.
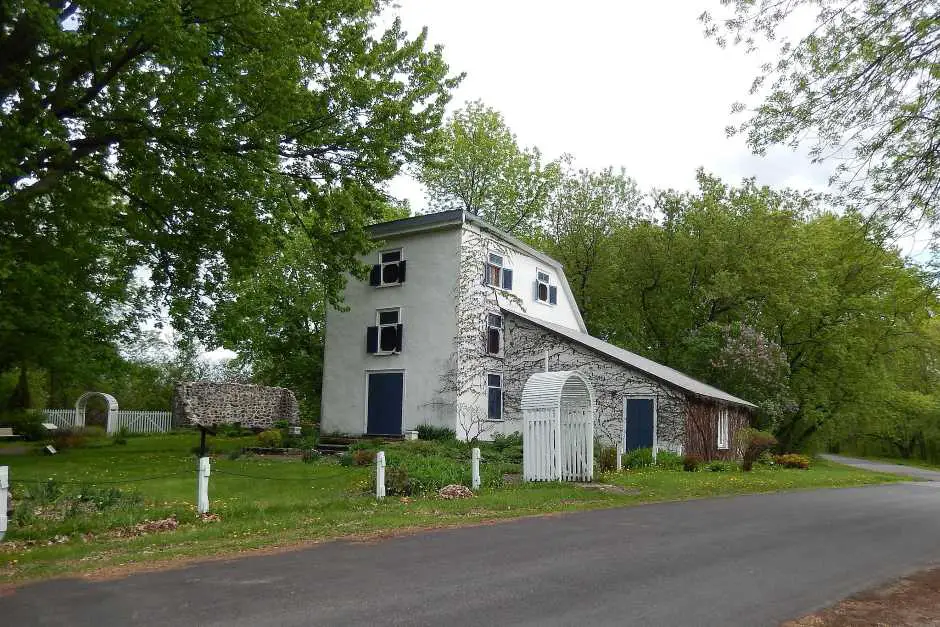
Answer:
[(383, 285)]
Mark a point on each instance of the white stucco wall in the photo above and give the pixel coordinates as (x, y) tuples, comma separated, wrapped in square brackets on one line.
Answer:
[(428, 314)]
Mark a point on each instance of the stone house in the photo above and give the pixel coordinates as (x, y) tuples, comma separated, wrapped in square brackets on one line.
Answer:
[(454, 318)]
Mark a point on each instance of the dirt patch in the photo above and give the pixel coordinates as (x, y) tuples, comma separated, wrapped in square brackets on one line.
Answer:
[(908, 602)]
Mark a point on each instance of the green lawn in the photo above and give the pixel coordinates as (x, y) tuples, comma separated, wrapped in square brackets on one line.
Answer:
[(283, 501)]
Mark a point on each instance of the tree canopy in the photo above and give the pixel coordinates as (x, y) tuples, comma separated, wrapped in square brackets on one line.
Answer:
[(860, 89)]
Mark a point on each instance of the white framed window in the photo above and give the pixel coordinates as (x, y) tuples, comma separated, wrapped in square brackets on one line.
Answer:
[(545, 292), (723, 428), (390, 270), (494, 396), (496, 272), (385, 338), (494, 334)]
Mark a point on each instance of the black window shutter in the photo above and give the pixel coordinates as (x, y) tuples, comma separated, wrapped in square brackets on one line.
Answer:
[(494, 404), (492, 345), (372, 339), (375, 275), (401, 329), (507, 279), (486, 274), (553, 295), (401, 271)]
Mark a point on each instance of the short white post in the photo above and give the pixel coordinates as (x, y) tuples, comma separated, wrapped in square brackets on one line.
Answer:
[(475, 468), (619, 456), (202, 505), (380, 475), (4, 494)]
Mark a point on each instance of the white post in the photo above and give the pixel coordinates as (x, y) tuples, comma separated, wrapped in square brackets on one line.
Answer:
[(475, 468), (380, 475), (4, 493), (619, 456), (202, 504)]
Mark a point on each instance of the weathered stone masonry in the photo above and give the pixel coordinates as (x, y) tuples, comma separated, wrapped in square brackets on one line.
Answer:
[(254, 406), (524, 355)]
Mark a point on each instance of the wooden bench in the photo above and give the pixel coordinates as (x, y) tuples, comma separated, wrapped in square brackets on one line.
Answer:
[(7, 432)]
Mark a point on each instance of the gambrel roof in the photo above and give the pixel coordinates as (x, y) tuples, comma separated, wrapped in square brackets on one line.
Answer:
[(655, 370)]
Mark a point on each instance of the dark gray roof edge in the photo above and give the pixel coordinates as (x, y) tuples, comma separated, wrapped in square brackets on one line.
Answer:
[(665, 374), (419, 222)]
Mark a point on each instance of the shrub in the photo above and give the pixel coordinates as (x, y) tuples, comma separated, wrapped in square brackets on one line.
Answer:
[(397, 482), (69, 438), (25, 422), (431, 432), (792, 460), (690, 463), (120, 436), (346, 459), (234, 454), (766, 459), (272, 438), (363, 457), (607, 459), (669, 460), (720, 466), (638, 458), (753, 442)]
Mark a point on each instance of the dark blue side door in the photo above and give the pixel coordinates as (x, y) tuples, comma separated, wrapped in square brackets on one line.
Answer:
[(385, 403), (639, 423)]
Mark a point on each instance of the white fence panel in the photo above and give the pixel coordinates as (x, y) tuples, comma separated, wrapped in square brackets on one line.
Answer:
[(141, 421), (62, 418), (540, 451)]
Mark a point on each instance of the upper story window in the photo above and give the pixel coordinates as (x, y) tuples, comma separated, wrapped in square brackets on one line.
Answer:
[(390, 270), (545, 292), (494, 334), (496, 272), (385, 338)]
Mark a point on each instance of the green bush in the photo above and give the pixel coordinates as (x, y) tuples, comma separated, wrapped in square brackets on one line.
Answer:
[(669, 460), (234, 454), (792, 460), (766, 459), (607, 459), (638, 458), (720, 466), (120, 436), (346, 459), (363, 457), (753, 442), (690, 463), (272, 438), (431, 432), (25, 422), (397, 482)]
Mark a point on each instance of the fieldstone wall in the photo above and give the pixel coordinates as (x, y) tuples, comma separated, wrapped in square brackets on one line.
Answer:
[(254, 406), (524, 355)]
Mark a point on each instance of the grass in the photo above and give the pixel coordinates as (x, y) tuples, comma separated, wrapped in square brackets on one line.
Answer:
[(271, 502)]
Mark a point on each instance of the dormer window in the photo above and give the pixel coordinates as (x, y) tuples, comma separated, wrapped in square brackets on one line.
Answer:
[(545, 292), (495, 272), (385, 338), (390, 270)]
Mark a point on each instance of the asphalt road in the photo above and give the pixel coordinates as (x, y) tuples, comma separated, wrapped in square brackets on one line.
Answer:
[(750, 560), (924, 474)]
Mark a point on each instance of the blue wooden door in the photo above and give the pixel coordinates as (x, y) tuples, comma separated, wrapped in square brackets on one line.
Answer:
[(385, 403), (639, 423)]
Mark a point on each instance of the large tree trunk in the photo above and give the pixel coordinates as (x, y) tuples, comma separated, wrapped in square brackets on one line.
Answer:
[(19, 399)]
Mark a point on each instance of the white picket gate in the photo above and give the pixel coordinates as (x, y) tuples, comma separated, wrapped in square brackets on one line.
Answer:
[(558, 427), (62, 418)]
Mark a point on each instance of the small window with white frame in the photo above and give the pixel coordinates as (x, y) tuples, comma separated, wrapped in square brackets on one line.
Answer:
[(723, 429), (496, 272), (390, 270), (545, 292), (494, 396), (494, 334)]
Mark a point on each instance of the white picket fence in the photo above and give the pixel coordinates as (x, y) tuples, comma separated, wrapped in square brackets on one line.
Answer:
[(134, 421), (577, 444), (540, 452)]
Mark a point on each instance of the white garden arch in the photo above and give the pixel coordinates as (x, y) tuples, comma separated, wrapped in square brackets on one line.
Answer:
[(82, 403), (558, 427)]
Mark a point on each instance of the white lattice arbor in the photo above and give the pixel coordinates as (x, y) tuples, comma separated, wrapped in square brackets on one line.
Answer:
[(558, 427), (82, 403)]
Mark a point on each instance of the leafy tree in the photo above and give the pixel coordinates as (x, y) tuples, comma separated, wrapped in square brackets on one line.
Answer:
[(476, 164), (581, 216), (861, 88)]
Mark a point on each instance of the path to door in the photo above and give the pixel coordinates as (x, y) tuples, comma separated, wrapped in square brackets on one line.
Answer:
[(751, 560)]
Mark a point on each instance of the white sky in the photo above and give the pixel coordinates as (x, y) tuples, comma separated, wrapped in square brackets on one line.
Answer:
[(621, 83)]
